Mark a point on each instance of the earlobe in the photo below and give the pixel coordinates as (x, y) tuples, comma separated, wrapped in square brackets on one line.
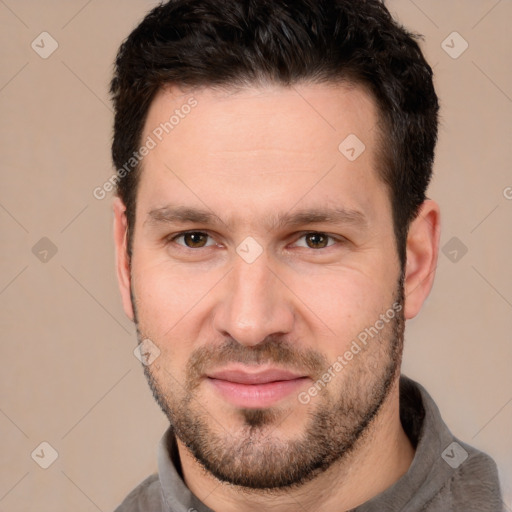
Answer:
[(422, 254), (122, 258)]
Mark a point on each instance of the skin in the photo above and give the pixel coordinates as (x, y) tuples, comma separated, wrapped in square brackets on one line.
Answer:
[(247, 155)]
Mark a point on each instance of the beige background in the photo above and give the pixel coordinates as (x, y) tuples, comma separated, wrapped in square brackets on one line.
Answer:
[(68, 374)]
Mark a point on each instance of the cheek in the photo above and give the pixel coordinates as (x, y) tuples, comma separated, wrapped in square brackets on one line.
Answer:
[(344, 303), (165, 290), (161, 300), (170, 302)]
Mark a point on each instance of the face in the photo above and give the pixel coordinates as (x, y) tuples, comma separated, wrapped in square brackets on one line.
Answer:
[(264, 269)]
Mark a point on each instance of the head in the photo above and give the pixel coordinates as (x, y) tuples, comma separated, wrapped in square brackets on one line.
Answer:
[(276, 221)]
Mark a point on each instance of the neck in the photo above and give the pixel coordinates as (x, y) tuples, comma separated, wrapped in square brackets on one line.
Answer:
[(375, 463)]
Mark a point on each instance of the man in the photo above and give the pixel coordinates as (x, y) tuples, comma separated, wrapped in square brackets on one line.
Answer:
[(272, 236)]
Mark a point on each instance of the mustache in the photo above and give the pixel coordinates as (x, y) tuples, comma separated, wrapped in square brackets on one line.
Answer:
[(270, 351)]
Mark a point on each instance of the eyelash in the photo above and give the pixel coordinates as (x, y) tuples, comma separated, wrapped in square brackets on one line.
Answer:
[(174, 237)]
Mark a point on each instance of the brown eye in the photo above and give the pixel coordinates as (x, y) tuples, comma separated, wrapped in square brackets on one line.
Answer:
[(193, 239), (317, 240)]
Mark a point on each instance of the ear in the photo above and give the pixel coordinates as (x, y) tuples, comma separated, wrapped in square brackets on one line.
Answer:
[(122, 259), (422, 252)]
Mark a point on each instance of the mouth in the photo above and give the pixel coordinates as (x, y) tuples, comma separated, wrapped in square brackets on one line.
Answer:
[(246, 388)]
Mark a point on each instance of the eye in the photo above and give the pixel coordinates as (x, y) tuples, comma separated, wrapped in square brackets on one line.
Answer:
[(192, 239), (199, 240), (316, 240)]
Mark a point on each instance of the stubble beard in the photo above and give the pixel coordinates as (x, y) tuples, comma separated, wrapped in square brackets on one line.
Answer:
[(257, 455)]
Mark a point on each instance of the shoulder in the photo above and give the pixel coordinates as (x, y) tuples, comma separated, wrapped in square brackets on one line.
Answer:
[(147, 496), (474, 484), (447, 473)]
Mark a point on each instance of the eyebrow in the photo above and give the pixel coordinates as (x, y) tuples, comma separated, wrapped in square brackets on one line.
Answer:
[(335, 216)]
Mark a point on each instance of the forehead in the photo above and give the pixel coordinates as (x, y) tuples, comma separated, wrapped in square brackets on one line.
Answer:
[(255, 115), (262, 144)]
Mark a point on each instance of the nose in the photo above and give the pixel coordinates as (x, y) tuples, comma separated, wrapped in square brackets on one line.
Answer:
[(254, 303)]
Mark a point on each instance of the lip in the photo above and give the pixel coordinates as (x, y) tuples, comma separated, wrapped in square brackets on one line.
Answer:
[(258, 377), (255, 389)]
